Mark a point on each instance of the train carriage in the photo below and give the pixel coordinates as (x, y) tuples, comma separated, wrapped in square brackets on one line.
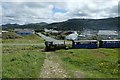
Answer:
[(109, 44), (85, 44)]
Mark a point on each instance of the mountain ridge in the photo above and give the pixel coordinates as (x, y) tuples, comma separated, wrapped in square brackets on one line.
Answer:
[(73, 24)]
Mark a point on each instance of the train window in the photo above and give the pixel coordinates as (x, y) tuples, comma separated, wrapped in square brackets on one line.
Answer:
[(112, 41), (108, 42), (78, 43), (85, 43), (117, 41), (93, 42), (104, 42), (75, 43)]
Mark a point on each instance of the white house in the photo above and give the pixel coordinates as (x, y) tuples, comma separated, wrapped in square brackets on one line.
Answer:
[(24, 31), (107, 34), (72, 36)]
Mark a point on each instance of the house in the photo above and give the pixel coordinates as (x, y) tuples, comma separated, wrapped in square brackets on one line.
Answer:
[(107, 34), (87, 34), (51, 31), (24, 31), (4, 31), (72, 36), (48, 30)]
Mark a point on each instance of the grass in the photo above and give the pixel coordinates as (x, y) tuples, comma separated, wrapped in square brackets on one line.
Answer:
[(0, 61), (26, 61), (22, 61), (29, 39), (17, 48), (0, 40), (92, 63), (10, 35)]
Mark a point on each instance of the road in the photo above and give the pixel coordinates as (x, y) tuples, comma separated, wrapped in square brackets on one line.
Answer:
[(52, 67), (46, 38)]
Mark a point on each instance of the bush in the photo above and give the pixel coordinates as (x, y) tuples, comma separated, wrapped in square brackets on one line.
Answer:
[(10, 35)]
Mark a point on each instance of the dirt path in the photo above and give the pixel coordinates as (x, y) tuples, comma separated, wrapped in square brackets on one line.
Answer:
[(52, 68)]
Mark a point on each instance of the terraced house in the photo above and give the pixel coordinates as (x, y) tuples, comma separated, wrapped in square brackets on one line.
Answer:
[(107, 34), (24, 31)]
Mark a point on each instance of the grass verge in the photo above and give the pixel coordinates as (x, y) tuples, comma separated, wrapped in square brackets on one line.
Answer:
[(28, 39), (22, 61), (92, 63)]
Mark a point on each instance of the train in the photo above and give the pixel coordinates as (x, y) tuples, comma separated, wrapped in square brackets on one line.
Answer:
[(50, 46), (96, 44), (88, 44)]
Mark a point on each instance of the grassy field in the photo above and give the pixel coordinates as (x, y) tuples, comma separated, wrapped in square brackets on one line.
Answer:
[(92, 63), (26, 61), (29, 39), (22, 61), (0, 61)]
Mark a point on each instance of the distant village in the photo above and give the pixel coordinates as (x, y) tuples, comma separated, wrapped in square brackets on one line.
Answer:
[(55, 40), (72, 35)]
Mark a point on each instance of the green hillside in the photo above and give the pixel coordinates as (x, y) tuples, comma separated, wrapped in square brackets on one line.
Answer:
[(73, 24)]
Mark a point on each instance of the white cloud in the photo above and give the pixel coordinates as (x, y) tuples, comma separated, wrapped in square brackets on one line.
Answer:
[(22, 12), (0, 14)]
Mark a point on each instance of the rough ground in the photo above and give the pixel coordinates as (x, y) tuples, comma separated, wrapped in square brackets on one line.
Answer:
[(52, 68)]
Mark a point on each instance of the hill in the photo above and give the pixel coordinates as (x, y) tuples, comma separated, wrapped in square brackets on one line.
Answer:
[(32, 26), (73, 24), (80, 24)]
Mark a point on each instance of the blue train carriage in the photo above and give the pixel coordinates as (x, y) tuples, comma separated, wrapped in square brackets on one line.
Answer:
[(109, 44), (85, 44)]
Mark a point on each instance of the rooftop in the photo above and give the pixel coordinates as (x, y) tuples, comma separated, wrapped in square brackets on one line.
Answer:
[(85, 41), (24, 30), (107, 32)]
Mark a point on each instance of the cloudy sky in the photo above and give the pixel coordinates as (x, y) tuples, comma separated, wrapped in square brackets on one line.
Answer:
[(23, 12)]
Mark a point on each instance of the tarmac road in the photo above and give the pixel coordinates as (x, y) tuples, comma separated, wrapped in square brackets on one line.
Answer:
[(46, 38)]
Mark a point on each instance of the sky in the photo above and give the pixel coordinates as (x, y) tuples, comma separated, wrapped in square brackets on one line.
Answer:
[(36, 11)]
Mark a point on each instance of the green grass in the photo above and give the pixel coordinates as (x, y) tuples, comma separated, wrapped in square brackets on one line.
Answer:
[(29, 39), (10, 35), (22, 61), (26, 61), (92, 63), (0, 61), (0, 40), (18, 48)]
